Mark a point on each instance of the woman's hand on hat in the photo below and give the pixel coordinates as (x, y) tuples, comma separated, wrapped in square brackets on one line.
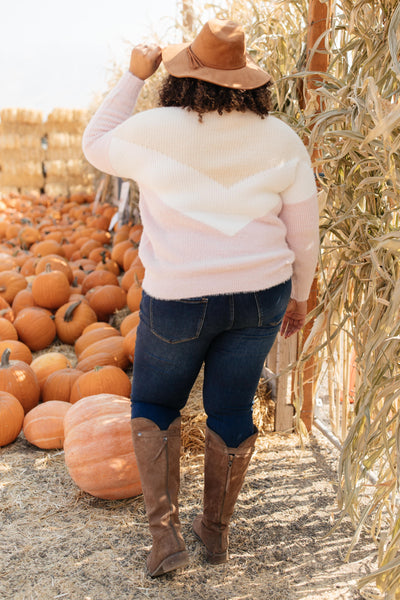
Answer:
[(145, 60), (294, 318)]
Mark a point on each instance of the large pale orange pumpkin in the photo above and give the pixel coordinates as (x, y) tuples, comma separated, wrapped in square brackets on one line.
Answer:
[(11, 418), (18, 379), (98, 447), (44, 425), (100, 359), (102, 379)]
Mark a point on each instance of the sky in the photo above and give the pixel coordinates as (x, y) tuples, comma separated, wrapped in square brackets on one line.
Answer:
[(60, 54)]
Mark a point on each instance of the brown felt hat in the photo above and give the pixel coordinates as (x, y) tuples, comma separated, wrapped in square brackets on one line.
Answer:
[(218, 55)]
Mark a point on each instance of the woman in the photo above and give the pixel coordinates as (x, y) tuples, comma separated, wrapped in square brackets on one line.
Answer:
[(229, 245)]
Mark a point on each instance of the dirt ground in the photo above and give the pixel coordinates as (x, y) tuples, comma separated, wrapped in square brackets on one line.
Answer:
[(59, 542)]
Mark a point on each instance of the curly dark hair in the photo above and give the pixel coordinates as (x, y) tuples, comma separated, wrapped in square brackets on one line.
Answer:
[(203, 97)]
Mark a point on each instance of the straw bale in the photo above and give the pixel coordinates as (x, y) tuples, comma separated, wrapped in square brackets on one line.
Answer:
[(66, 120), (21, 116), (22, 174), (56, 189)]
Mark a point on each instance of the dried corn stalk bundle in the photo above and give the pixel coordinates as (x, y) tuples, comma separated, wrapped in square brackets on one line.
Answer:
[(357, 326)]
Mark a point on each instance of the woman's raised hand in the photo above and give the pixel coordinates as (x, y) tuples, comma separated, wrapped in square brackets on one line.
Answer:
[(145, 60)]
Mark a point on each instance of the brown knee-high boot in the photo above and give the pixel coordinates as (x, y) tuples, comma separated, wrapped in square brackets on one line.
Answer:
[(158, 455), (224, 472)]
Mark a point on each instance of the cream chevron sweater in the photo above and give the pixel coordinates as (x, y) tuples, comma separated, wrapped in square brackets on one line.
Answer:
[(227, 205)]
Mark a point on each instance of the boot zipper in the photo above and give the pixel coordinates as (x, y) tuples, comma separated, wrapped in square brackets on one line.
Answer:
[(228, 480)]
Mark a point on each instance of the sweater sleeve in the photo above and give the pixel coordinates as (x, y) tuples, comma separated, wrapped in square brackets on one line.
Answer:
[(300, 215), (115, 109)]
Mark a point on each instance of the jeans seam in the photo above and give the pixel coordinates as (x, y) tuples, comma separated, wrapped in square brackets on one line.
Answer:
[(204, 302), (259, 311)]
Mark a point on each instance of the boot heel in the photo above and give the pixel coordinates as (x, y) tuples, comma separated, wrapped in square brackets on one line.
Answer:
[(215, 558), (175, 561)]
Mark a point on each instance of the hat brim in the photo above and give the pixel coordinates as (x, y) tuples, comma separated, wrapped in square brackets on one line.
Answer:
[(177, 62)]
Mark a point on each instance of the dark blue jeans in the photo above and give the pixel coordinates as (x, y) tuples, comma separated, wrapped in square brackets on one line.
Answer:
[(231, 334)]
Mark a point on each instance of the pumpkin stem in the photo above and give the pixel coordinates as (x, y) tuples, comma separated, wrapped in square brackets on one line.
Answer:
[(69, 313), (5, 358), (75, 282), (48, 268), (136, 280), (103, 257)]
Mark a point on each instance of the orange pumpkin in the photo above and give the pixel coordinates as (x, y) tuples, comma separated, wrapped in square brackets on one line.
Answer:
[(114, 346), (7, 330), (58, 385), (19, 350), (94, 335), (11, 283), (11, 418), (102, 379), (57, 263), (99, 359), (106, 299), (96, 278), (72, 318), (35, 327), (23, 299), (130, 343), (44, 425), (50, 289), (46, 364), (18, 379), (98, 447), (129, 322), (134, 297)]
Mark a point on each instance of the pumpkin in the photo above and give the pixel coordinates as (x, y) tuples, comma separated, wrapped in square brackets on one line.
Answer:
[(106, 299), (99, 359), (72, 318), (57, 263), (7, 330), (129, 322), (94, 335), (11, 283), (58, 385), (118, 251), (96, 278), (50, 289), (46, 247), (19, 350), (114, 346), (44, 425), (130, 343), (134, 297), (102, 379), (6, 310), (35, 327), (23, 299), (11, 418), (46, 364), (98, 447), (17, 378)]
